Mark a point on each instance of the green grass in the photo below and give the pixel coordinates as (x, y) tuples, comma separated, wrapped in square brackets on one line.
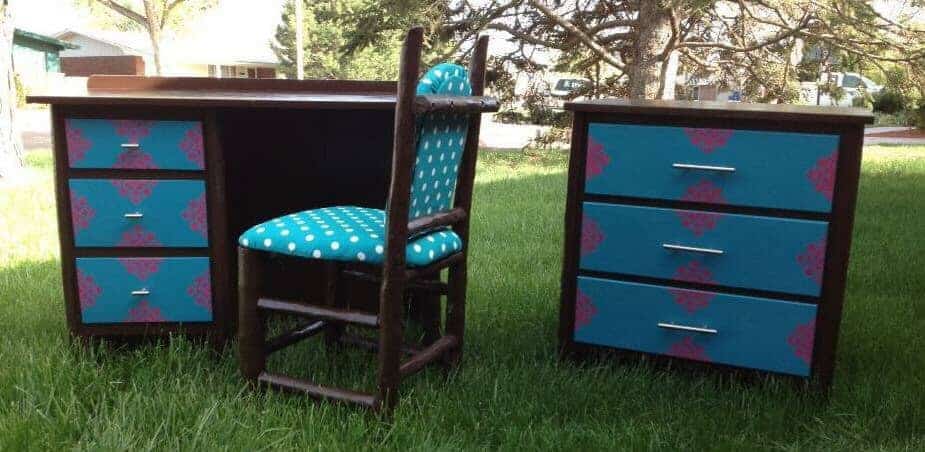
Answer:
[(511, 393)]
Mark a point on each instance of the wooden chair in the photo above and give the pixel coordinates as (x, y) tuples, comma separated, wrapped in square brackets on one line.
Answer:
[(423, 230)]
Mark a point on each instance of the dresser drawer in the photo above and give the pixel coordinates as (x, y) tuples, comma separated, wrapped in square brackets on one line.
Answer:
[(139, 213), (751, 332), (754, 252), (134, 144), (782, 170), (128, 290)]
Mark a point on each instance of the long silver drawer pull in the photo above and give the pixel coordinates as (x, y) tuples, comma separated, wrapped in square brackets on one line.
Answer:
[(688, 166), (134, 215), (693, 329), (692, 249), (129, 146), (141, 292)]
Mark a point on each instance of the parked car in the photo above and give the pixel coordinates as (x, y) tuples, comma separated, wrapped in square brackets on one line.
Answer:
[(850, 84)]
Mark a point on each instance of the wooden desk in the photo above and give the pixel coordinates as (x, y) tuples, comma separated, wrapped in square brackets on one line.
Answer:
[(137, 258)]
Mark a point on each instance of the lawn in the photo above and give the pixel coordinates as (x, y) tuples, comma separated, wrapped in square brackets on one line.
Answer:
[(511, 393)]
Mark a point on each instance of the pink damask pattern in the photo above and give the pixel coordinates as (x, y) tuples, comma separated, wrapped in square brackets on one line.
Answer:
[(136, 190), (138, 236), (701, 222), (81, 212), (597, 159), (201, 291), (813, 260), (141, 268), (77, 144), (591, 235), (584, 310), (692, 300), (801, 341), (192, 145), (695, 272), (708, 140), (134, 159), (132, 130), (144, 312), (87, 290), (688, 349), (823, 175), (196, 216)]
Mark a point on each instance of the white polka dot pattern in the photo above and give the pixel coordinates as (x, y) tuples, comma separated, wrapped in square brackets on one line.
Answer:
[(344, 233)]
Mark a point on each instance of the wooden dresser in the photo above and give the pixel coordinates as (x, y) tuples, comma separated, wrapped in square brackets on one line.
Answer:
[(710, 232)]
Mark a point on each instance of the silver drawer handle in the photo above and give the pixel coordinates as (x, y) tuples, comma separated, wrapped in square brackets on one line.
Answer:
[(130, 146), (692, 249), (688, 166), (141, 292), (693, 329), (133, 215)]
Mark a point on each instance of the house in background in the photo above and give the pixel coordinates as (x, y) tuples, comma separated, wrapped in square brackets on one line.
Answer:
[(129, 53), (36, 58)]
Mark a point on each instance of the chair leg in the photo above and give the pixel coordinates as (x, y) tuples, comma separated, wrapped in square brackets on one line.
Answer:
[(391, 296), (456, 309), (251, 322), (333, 298)]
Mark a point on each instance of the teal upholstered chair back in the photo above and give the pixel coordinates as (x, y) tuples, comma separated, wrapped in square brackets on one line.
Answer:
[(440, 143)]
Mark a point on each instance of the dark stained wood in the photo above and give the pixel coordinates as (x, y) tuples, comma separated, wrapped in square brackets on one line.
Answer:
[(295, 335), (224, 306), (138, 83), (318, 312), (252, 349), (65, 227), (428, 355), (455, 104), (439, 219), (372, 345), (318, 391), (572, 231), (723, 110), (435, 267)]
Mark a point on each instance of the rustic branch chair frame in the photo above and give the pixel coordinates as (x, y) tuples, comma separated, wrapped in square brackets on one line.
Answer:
[(394, 277)]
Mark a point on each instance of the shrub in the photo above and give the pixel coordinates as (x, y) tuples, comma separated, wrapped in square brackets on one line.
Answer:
[(20, 90), (919, 116), (889, 101)]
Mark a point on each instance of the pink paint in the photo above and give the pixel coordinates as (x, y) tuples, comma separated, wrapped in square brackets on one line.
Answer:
[(701, 222), (144, 312), (708, 140), (688, 349), (192, 145), (196, 215), (591, 235), (584, 310), (87, 290), (77, 144), (134, 159), (813, 261), (597, 159), (138, 236), (801, 341), (81, 212), (201, 290), (823, 175), (692, 300), (136, 190), (695, 272), (132, 130), (141, 268)]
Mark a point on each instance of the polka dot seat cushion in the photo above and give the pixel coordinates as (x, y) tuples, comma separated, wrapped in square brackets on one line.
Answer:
[(344, 233)]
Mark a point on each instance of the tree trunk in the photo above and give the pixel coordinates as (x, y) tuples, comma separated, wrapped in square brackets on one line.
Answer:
[(653, 33), (11, 149), (154, 19), (669, 78)]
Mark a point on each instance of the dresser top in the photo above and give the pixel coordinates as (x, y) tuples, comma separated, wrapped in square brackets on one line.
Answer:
[(723, 110), (212, 92)]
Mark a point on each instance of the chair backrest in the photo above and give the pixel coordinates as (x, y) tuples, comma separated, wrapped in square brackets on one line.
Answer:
[(433, 156)]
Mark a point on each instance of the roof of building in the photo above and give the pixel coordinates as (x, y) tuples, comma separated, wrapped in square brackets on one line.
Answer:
[(54, 42)]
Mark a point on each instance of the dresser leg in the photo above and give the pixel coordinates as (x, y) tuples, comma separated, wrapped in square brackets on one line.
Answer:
[(251, 323)]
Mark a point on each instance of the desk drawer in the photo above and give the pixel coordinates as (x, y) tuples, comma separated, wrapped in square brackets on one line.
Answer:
[(134, 144), (781, 170), (149, 290), (751, 332), (773, 254), (139, 213)]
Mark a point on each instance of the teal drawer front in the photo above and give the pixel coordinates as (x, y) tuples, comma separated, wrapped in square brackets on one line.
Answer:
[(144, 290), (764, 253), (139, 213), (750, 332), (134, 144), (781, 170)]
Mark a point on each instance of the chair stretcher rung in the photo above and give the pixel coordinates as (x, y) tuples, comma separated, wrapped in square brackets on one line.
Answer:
[(319, 312), (293, 336), (428, 355), (317, 391)]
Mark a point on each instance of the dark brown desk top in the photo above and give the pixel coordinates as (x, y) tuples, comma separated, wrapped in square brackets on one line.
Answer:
[(211, 92), (723, 110)]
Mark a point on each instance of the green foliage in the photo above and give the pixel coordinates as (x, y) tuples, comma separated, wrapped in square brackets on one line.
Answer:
[(326, 29), (21, 91), (106, 17), (889, 101), (919, 117)]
